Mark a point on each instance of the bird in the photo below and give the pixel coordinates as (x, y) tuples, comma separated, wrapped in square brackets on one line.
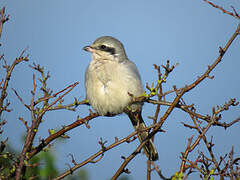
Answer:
[(111, 82)]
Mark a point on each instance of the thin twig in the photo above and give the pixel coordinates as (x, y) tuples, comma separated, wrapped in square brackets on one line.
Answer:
[(9, 71), (235, 14), (59, 133)]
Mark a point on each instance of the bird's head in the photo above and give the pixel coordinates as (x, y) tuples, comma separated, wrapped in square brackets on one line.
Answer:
[(107, 48)]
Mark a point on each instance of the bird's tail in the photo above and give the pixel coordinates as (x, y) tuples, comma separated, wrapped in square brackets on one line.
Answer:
[(138, 123)]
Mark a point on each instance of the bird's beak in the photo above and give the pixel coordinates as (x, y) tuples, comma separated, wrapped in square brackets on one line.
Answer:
[(88, 48)]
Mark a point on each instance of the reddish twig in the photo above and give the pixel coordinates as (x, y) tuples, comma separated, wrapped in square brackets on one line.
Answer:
[(59, 133), (99, 153), (179, 95), (185, 155), (235, 14), (117, 142), (159, 172), (9, 71), (20, 99), (29, 138)]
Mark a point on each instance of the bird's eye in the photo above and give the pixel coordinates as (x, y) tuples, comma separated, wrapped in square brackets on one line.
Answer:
[(103, 47)]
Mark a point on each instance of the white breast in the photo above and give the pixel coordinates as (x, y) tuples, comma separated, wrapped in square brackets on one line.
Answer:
[(108, 84)]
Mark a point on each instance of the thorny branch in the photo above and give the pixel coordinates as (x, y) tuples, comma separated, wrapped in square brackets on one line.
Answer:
[(179, 94), (234, 13), (50, 101), (59, 133), (131, 137), (202, 131), (4, 18), (9, 70), (37, 113)]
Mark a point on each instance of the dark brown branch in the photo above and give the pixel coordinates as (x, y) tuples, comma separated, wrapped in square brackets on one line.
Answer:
[(71, 106), (185, 155), (177, 99), (131, 137), (59, 133), (20, 99), (9, 71), (29, 138), (100, 153), (199, 80), (48, 106), (183, 107), (149, 170), (218, 60), (159, 172), (129, 158), (36, 120)]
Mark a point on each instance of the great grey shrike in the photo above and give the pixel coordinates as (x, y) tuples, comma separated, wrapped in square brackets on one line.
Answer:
[(110, 81)]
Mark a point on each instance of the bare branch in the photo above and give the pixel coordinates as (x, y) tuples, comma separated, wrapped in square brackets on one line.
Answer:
[(234, 14)]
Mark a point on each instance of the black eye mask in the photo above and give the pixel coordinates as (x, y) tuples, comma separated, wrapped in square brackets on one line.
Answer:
[(107, 49)]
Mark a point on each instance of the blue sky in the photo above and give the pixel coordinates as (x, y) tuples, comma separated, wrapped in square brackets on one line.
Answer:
[(186, 32)]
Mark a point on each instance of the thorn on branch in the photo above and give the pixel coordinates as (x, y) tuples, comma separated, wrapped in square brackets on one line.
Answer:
[(3, 145), (37, 67), (73, 160), (126, 171), (235, 14), (211, 143), (2, 123), (102, 144), (131, 139), (123, 157), (189, 126), (210, 77), (1, 57), (24, 122), (177, 91), (225, 107), (90, 112), (221, 51), (4, 18), (116, 139), (85, 122), (235, 161), (222, 159), (169, 69)]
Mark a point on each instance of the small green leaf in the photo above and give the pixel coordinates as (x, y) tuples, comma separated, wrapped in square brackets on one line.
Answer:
[(13, 169), (145, 94), (153, 93), (46, 149), (51, 131), (212, 171), (26, 162), (5, 156)]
